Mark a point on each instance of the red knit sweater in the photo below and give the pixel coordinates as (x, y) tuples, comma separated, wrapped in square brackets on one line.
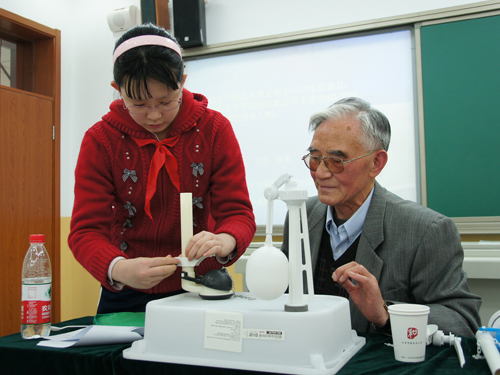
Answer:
[(111, 178)]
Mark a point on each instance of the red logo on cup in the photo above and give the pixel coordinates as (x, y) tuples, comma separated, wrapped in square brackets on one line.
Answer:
[(412, 333)]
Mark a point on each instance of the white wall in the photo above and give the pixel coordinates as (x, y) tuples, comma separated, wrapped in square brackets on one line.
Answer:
[(87, 45), (229, 20), (86, 70)]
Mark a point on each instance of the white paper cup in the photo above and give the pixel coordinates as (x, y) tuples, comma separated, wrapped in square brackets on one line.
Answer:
[(409, 326)]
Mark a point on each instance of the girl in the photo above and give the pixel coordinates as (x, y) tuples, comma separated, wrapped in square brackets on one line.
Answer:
[(158, 140)]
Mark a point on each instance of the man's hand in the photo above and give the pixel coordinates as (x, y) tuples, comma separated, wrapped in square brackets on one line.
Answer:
[(365, 294), (144, 273), (207, 244)]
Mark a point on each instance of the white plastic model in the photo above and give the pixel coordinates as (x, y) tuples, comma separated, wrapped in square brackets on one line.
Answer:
[(437, 337), (487, 343), (298, 246), (268, 271), (251, 333), (203, 288), (267, 268)]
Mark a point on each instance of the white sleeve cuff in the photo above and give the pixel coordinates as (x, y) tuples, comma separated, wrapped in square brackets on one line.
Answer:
[(226, 259), (115, 285)]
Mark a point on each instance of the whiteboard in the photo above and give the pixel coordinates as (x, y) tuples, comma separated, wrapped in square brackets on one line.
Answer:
[(269, 96)]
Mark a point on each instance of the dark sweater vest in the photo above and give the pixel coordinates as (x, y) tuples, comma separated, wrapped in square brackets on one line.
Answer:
[(326, 265)]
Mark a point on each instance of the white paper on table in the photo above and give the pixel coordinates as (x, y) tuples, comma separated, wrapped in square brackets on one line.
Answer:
[(94, 335)]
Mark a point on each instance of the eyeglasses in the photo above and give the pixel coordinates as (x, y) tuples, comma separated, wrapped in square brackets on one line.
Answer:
[(332, 163), (163, 107)]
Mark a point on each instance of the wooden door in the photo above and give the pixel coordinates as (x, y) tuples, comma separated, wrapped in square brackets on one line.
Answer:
[(29, 160)]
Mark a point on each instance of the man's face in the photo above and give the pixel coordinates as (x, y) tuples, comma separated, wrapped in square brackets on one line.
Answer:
[(346, 191)]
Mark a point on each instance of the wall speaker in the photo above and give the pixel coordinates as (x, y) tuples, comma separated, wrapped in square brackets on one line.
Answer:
[(189, 22), (156, 12), (122, 19)]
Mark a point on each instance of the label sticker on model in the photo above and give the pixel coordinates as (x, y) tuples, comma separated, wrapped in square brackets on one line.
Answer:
[(223, 330), (264, 334)]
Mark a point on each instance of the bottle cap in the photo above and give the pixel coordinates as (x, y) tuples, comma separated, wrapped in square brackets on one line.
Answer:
[(37, 238)]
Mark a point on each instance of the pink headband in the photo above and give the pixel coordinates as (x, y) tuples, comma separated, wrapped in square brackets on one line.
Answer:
[(145, 40)]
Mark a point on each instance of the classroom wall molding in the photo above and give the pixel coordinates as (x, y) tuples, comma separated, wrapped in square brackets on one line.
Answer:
[(481, 259), (478, 225)]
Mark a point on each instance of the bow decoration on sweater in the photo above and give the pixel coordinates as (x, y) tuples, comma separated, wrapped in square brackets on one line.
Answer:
[(130, 208), (127, 174), (197, 202), (128, 223), (197, 168)]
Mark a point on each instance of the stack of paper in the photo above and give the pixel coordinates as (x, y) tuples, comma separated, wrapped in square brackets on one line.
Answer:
[(94, 335)]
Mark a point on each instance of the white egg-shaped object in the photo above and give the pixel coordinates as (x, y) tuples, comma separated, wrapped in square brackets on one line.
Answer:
[(267, 273)]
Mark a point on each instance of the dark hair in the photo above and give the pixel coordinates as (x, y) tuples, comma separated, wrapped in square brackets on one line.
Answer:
[(136, 65), (376, 130)]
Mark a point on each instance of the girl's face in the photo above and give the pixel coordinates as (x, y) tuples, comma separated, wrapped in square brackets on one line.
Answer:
[(155, 119)]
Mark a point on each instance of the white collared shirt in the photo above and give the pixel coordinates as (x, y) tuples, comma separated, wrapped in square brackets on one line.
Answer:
[(343, 236)]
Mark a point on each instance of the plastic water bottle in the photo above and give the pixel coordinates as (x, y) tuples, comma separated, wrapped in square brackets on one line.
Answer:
[(36, 290)]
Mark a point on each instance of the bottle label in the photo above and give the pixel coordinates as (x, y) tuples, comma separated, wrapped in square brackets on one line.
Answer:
[(35, 306)]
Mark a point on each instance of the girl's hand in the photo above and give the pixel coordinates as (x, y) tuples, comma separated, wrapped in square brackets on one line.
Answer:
[(144, 273), (207, 244)]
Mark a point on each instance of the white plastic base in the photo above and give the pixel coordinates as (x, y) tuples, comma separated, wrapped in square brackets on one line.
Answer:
[(253, 334)]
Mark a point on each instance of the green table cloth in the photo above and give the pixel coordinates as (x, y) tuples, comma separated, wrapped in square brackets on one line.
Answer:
[(18, 356)]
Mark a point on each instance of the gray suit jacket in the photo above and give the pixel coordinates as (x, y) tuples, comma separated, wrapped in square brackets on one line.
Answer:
[(415, 254)]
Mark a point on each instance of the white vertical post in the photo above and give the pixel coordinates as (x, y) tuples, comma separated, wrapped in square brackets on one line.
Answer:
[(186, 220), (186, 203), (295, 200), (307, 267), (296, 289)]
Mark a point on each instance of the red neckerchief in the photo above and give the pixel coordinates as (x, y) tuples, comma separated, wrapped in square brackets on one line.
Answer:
[(162, 156)]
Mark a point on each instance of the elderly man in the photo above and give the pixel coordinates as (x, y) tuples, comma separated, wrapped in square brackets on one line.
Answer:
[(370, 245)]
